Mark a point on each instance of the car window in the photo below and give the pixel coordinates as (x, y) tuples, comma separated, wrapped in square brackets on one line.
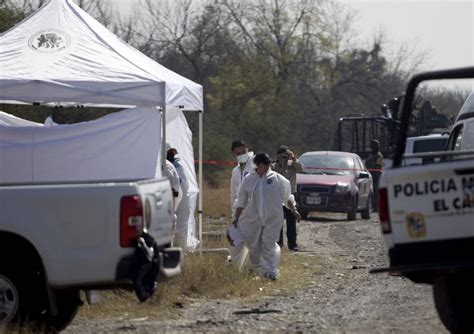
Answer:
[(360, 165), (429, 145), (327, 164)]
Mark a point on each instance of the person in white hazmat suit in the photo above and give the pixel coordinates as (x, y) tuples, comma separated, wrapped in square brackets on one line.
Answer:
[(182, 211), (244, 157), (259, 215), (172, 175)]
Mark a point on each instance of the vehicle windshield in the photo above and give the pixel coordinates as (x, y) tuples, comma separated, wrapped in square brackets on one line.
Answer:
[(327, 165)]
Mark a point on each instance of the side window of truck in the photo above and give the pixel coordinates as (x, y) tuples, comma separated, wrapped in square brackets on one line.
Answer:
[(455, 140), (468, 141)]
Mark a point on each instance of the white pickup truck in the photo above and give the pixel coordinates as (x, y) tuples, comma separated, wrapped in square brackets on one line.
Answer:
[(56, 239), (427, 212), (423, 144)]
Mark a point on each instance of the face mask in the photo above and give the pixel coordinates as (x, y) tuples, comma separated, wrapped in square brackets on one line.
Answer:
[(243, 158)]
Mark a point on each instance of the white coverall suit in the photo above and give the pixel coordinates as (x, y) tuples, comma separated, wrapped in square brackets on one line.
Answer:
[(172, 175), (182, 211), (239, 252), (262, 218)]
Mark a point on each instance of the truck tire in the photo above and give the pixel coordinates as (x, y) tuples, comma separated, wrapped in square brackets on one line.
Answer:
[(454, 300), (68, 302), (23, 302), (9, 299), (365, 213)]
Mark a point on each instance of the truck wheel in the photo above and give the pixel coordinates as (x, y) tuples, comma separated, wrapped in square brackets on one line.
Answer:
[(68, 302), (365, 214), (351, 215), (9, 300), (23, 302), (454, 300)]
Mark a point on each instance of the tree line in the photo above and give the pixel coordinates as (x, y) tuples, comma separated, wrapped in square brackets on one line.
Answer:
[(274, 72)]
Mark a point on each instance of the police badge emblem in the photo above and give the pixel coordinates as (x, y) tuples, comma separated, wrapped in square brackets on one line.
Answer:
[(50, 40), (416, 225)]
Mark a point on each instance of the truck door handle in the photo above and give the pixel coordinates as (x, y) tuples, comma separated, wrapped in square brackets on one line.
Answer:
[(465, 171), (158, 200)]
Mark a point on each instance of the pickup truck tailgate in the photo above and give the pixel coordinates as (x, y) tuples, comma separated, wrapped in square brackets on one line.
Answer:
[(157, 210), (431, 202)]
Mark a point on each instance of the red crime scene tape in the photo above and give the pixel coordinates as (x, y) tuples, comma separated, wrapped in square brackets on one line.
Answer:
[(233, 164)]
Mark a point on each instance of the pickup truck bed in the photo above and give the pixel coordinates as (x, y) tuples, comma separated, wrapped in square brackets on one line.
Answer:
[(62, 237)]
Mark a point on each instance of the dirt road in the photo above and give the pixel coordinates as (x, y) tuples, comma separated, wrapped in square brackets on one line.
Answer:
[(344, 299)]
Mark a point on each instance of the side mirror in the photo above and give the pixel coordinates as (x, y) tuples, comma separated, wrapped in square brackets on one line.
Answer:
[(364, 175)]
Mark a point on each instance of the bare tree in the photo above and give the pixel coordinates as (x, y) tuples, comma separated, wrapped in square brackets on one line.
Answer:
[(181, 28), (277, 29), (102, 10)]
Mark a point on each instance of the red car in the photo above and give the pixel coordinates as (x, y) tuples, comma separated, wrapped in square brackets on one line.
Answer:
[(334, 182)]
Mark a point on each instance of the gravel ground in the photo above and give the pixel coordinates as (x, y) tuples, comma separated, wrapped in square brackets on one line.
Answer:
[(346, 299)]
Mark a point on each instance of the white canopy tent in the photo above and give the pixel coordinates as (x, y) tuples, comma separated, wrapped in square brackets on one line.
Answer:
[(60, 55), (116, 146)]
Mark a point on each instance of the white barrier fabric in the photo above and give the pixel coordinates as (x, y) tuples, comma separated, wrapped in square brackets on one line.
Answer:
[(122, 145)]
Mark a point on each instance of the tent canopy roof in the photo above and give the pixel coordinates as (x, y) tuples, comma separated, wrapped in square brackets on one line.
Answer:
[(60, 54)]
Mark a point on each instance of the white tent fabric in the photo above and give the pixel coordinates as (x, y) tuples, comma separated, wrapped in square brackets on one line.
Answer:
[(122, 145), (179, 136), (60, 54), (16, 159), (10, 120)]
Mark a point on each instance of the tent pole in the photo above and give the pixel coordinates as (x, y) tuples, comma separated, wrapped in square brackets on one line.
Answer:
[(200, 177), (163, 139)]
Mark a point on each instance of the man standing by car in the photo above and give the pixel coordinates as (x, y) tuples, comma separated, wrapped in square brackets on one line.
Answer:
[(374, 165), (288, 165)]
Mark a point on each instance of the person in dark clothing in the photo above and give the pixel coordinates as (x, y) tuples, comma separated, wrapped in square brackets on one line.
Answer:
[(288, 165), (374, 165)]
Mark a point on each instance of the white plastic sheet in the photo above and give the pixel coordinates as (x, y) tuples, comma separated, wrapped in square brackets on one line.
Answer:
[(122, 145)]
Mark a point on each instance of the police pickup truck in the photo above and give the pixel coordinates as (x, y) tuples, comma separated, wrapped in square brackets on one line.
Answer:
[(427, 212), (59, 238)]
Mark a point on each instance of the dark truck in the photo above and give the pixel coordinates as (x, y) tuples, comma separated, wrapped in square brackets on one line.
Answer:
[(355, 132)]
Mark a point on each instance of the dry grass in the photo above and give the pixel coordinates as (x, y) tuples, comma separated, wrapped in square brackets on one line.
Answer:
[(216, 200), (207, 277)]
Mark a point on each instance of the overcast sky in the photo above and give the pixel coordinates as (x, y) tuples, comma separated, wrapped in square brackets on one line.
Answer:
[(444, 29)]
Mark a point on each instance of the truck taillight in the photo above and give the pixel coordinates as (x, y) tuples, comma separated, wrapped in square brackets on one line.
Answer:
[(383, 211), (131, 220)]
